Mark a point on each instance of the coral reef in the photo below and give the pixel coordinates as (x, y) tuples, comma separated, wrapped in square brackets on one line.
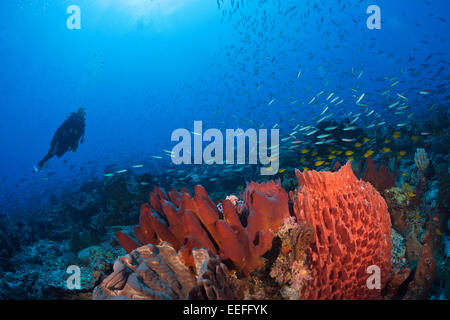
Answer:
[(352, 232), (290, 270)]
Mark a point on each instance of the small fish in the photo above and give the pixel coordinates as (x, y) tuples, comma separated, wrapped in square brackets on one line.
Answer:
[(137, 166), (330, 128), (282, 170), (144, 183), (360, 98), (319, 163), (438, 232), (394, 105), (402, 153), (368, 153), (108, 174), (348, 140), (304, 151), (358, 144), (425, 92), (386, 150), (349, 128), (121, 171), (396, 134), (411, 195), (157, 157), (349, 153), (322, 136)]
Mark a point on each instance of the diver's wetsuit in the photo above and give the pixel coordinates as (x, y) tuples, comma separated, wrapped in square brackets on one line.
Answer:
[(66, 138)]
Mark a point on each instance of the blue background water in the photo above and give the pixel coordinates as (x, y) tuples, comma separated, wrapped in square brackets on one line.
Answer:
[(145, 68)]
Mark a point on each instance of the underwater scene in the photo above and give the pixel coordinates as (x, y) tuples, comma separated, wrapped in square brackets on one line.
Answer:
[(224, 150)]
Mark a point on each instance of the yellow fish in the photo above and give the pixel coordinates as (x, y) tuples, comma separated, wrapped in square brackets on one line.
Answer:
[(386, 150), (304, 151), (314, 153), (350, 158), (412, 194), (402, 153), (438, 232), (396, 134), (387, 141), (368, 153), (339, 152), (302, 160), (282, 170), (366, 139), (415, 138), (348, 153), (331, 157), (319, 158), (305, 168), (319, 163), (358, 144), (403, 173)]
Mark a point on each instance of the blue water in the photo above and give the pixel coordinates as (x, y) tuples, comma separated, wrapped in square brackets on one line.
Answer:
[(145, 68)]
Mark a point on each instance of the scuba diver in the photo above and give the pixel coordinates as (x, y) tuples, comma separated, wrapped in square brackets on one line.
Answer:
[(66, 138)]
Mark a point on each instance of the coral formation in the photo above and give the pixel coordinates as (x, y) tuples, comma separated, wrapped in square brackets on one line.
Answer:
[(149, 272), (194, 222), (379, 176), (421, 159), (352, 232), (214, 281)]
